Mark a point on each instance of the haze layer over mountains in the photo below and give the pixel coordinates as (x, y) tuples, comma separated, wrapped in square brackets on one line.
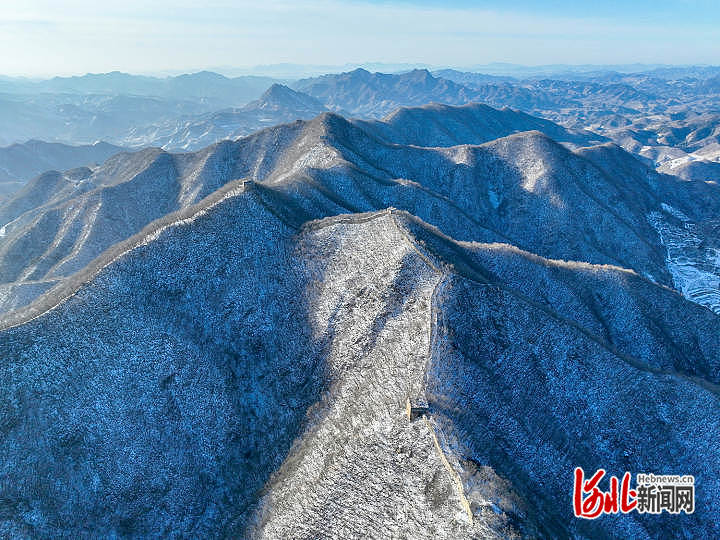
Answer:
[(224, 340)]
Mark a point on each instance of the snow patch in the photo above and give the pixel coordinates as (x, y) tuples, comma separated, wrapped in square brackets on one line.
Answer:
[(695, 269), (675, 212)]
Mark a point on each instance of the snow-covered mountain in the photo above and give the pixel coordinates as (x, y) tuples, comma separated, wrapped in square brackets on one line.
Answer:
[(277, 105), (693, 168), (236, 370), (474, 123), (650, 113), (207, 86), (21, 162), (225, 343), (79, 119), (81, 110), (59, 223), (374, 95)]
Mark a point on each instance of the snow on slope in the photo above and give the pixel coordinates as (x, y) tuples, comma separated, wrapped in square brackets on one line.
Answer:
[(693, 261), (570, 209), (248, 372), (277, 105)]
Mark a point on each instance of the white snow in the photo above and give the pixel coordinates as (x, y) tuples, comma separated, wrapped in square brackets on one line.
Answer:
[(695, 270), (675, 212)]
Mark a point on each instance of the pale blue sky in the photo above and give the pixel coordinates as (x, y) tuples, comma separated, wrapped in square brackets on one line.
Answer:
[(45, 37)]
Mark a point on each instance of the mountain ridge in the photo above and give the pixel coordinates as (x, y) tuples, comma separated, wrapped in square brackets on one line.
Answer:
[(277, 105), (321, 159), (226, 343), (362, 345)]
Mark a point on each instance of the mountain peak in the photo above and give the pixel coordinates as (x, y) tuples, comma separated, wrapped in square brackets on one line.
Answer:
[(298, 289), (421, 74), (359, 74), (277, 90), (282, 98), (202, 76)]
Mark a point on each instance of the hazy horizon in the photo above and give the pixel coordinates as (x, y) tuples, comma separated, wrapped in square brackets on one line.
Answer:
[(286, 70), (171, 37)]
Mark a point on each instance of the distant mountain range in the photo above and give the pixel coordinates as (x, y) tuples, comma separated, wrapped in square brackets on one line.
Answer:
[(277, 105), (656, 113), (21, 162), (494, 69), (92, 209), (473, 124), (661, 115), (655, 117), (81, 110), (414, 328), (96, 208), (445, 125), (666, 138), (374, 95), (213, 88), (82, 119)]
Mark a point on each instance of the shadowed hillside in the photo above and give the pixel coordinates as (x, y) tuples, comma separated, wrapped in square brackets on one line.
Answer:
[(225, 343), (524, 189)]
